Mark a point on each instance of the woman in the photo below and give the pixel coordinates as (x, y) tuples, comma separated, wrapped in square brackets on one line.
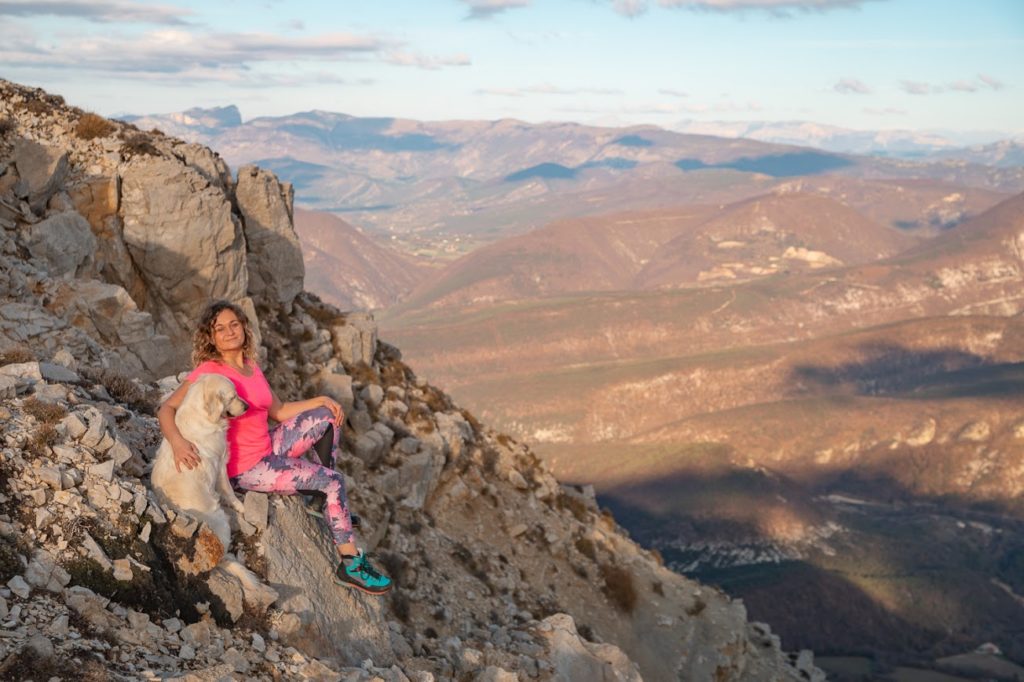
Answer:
[(269, 460)]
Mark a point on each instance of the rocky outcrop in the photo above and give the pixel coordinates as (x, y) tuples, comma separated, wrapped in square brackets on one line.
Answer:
[(183, 239), (276, 271)]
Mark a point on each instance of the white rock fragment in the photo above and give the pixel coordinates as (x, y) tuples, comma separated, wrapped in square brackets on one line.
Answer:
[(19, 587)]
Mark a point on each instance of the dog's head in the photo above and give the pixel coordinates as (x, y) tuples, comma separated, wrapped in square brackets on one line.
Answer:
[(219, 397)]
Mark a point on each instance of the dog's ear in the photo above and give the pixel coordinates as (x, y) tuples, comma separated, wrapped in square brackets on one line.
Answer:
[(213, 403)]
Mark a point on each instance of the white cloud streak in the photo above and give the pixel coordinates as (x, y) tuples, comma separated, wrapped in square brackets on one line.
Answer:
[(990, 82), (486, 9), (629, 8), (851, 86), (545, 89), (111, 11), (777, 7), (981, 82), (173, 53), (673, 93), (919, 88)]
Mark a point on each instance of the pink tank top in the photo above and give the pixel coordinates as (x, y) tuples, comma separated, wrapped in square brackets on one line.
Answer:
[(248, 435)]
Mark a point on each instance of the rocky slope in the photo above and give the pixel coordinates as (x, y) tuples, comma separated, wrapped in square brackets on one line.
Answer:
[(111, 241)]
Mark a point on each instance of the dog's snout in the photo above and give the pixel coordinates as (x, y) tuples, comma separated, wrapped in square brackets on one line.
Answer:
[(237, 407)]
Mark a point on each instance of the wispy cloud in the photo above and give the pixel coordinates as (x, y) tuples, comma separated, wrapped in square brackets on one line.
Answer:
[(851, 86), (629, 8), (166, 54), (782, 8), (673, 93), (990, 81), (422, 61), (919, 88), (884, 111), (968, 85), (485, 9), (108, 12), (963, 86), (545, 89)]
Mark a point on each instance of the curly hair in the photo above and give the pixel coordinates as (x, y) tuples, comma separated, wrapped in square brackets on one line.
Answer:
[(203, 348)]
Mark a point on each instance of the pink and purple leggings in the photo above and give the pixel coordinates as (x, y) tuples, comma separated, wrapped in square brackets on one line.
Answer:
[(286, 472)]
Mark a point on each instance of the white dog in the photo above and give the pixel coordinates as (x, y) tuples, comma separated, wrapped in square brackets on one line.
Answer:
[(198, 492), (202, 420)]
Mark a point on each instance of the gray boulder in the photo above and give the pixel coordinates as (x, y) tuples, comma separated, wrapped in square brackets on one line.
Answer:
[(276, 270), (330, 622), (355, 341), (65, 241), (41, 170), (184, 240)]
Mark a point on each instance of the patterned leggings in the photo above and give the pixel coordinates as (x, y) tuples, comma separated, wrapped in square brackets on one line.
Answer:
[(285, 471)]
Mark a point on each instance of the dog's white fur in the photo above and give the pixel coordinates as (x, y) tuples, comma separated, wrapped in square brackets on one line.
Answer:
[(198, 492)]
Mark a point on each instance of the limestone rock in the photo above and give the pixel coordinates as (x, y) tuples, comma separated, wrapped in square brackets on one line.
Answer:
[(65, 241), (41, 170), (338, 387), (256, 509), (92, 607), (184, 240), (44, 573), (573, 658), (276, 270), (108, 313), (355, 341), (331, 622), (415, 480)]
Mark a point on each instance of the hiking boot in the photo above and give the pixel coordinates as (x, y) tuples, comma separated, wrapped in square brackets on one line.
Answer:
[(356, 571), (314, 506)]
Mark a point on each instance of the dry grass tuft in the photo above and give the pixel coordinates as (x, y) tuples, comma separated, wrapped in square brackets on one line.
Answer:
[(45, 413), (138, 144), (42, 439), (619, 588), (587, 548), (122, 388), (17, 355), (91, 126)]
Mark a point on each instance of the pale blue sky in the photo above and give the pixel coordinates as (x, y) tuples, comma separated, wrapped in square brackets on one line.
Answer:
[(908, 64)]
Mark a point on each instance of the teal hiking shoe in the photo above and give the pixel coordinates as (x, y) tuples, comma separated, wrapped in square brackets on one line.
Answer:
[(356, 571)]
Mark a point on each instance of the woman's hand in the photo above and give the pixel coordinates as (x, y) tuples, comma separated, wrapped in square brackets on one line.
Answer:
[(334, 407), (185, 453)]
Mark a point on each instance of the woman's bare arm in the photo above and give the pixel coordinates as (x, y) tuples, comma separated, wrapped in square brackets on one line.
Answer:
[(280, 412), (184, 451)]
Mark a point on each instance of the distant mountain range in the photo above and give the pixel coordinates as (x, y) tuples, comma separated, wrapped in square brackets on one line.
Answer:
[(988, 148), (443, 188)]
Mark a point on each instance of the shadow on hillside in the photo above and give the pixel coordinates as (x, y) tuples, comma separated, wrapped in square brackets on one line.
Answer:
[(908, 580), (890, 369), (775, 165)]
